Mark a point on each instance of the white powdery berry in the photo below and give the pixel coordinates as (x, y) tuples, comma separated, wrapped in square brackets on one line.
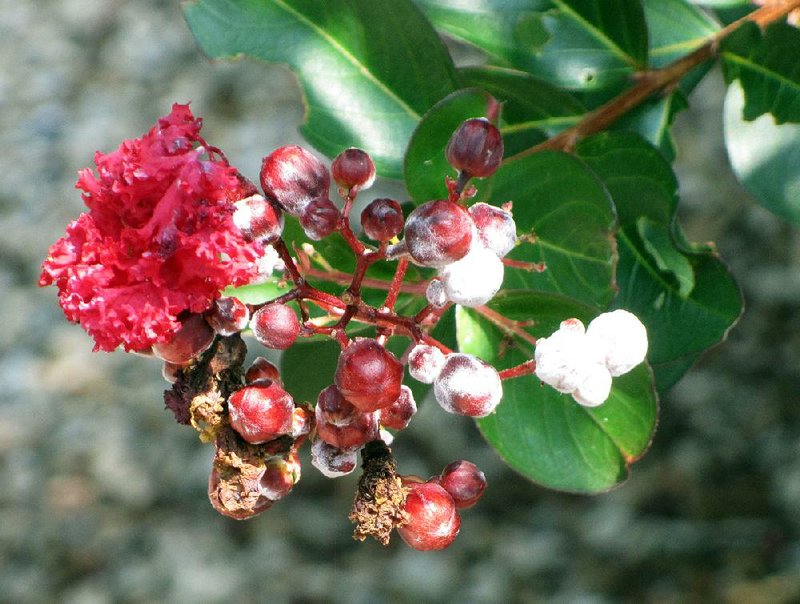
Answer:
[(621, 338), (332, 462), (496, 228), (435, 294), (475, 279), (425, 363), (468, 386), (595, 387), (564, 358)]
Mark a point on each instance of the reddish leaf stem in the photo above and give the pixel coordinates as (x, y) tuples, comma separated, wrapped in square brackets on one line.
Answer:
[(526, 368)]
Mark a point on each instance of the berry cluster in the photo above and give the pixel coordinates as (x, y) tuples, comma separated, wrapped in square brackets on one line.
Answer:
[(256, 426)]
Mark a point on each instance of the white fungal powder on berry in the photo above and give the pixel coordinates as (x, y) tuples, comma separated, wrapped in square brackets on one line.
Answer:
[(475, 279), (622, 339), (435, 293), (332, 462), (595, 387), (467, 386), (563, 359), (425, 363), (496, 228)]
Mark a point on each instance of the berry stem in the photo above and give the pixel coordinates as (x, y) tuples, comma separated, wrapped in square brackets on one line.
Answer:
[(396, 283), (531, 267), (288, 261), (526, 368), (507, 325), (346, 230)]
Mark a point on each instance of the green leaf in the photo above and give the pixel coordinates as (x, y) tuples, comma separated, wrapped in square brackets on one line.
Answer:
[(362, 85), (546, 435), (308, 367), (682, 319), (675, 28), (565, 219), (765, 157), (578, 44), (768, 68)]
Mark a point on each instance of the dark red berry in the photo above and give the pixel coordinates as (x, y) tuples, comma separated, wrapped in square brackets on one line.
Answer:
[(259, 219), (353, 168), (341, 424), (382, 219), (228, 316), (467, 386), (280, 475), (275, 326), (397, 415), (261, 412), (433, 521), (476, 148), (438, 233), (368, 375), (262, 369), (464, 481), (194, 337), (293, 177), (320, 218)]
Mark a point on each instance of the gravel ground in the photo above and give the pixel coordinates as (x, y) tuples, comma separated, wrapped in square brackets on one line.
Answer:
[(103, 495)]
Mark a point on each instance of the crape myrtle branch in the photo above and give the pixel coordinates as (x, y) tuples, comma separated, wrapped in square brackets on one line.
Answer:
[(653, 81)]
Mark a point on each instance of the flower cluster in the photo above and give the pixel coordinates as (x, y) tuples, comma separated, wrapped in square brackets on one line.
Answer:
[(157, 241)]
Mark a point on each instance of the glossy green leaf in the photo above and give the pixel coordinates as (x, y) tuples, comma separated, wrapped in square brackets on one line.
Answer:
[(361, 86), (308, 367), (765, 157), (545, 435), (565, 219), (676, 28), (768, 66), (682, 319), (578, 44)]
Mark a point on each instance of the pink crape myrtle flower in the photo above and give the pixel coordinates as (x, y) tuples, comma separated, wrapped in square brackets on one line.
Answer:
[(158, 239)]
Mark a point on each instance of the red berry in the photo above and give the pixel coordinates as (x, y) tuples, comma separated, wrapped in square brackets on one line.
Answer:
[(275, 326), (341, 424), (320, 218), (280, 475), (382, 219), (496, 228), (399, 413), (293, 177), (464, 481), (368, 375), (261, 412), (332, 462), (262, 369), (228, 316), (193, 338), (259, 219), (476, 148), (425, 362), (438, 233), (433, 521), (353, 168), (467, 386)]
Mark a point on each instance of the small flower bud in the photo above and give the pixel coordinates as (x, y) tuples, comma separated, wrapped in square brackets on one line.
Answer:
[(294, 177), (425, 363), (622, 339), (353, 168), (475, 279), (259, 219), (496, 228), (320, 218), (382, 219)]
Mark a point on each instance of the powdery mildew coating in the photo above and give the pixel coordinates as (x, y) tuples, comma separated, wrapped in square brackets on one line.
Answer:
[(397, 415), (332, 462), (496, 228), (435, 293), (562, 359), (275, 326), (258, 219), (467, 386), (621, 337), (475, 279), (438, 232), (293, 177), (425, 363), (595, 386)]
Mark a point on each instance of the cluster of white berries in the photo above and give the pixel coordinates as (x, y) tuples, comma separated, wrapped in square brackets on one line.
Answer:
[(581, 361)]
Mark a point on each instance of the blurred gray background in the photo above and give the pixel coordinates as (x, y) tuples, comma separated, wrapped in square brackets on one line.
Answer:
[(103, 495)]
